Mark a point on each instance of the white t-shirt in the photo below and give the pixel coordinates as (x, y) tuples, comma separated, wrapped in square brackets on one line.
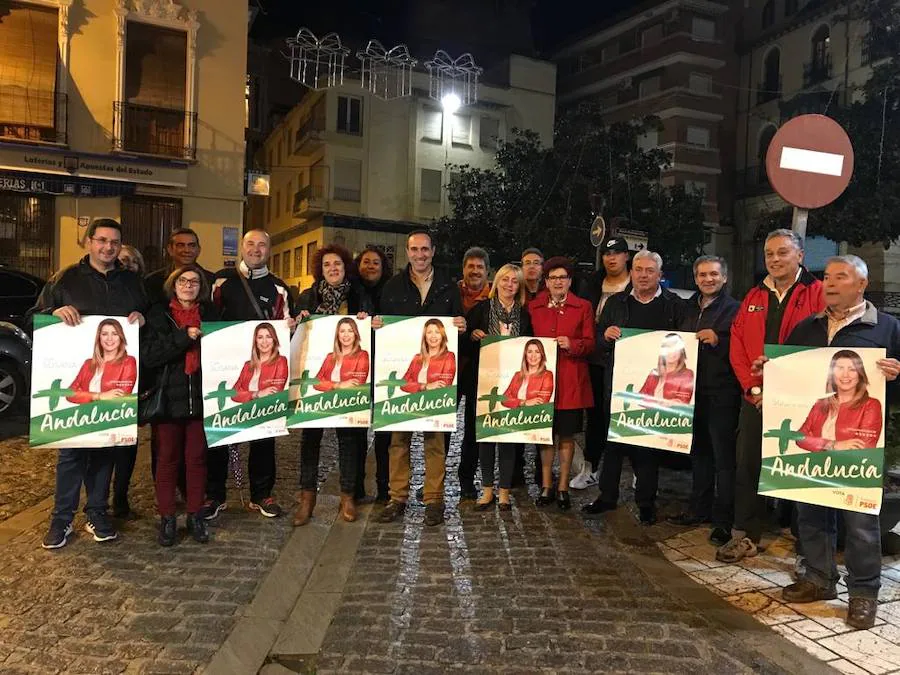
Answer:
[(608, 289), (96, 381), (828, 428)]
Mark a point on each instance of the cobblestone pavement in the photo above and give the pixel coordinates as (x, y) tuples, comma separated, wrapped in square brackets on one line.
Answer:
[(26, 475), (130, 605)]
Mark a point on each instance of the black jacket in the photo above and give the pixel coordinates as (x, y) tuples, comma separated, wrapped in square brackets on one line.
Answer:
[(591, 290), (401, 297), (478, 318), (233, 303), (153, 283), (374, 292), (714, 373), (357, 299), (615, 313), (163, 342), (119, 292)]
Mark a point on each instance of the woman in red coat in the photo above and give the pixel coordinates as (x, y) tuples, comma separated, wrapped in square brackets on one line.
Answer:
[(110, 372), (266, 372), (533, 384), (847, 419), (568, 319), (346, 366), (434, 366), (671, 380)]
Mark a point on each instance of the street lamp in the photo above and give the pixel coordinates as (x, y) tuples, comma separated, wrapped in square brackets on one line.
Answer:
[(450, 103)]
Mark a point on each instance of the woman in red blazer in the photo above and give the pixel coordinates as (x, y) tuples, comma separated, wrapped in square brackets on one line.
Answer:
[(352, 362), (266, 372), (110, 372), (561, 315), (848, 419), (538, 381), (439, 364), (671, 380)]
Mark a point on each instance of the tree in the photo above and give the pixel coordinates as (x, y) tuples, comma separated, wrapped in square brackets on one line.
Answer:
[(539, 196)]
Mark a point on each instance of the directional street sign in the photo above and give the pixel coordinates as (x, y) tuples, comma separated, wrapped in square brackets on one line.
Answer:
[(810, 161), (637, 239), (598, 231)]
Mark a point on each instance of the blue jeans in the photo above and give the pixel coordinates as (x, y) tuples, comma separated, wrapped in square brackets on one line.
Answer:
[(862, 549), (74, 467)]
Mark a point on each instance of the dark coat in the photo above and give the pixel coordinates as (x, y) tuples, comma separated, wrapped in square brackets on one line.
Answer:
[(230, 297), (357, 299), (477, 319), (153, 283), (401, 297), (714, 373), (163, 342)]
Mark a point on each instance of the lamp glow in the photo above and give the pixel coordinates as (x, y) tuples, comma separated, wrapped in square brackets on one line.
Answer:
[(451, 103)]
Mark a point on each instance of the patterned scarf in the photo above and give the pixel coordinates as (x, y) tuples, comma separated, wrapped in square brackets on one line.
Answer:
[(553, 304), (331, 297), (188, 317), (502, 322)]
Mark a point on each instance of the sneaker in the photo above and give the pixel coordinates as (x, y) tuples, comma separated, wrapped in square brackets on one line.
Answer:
[(58, 535), (212, 508), (736, 550), (391, 512), (434, 514), (98, 525), (719, 536), (267, 507), (585, 479)]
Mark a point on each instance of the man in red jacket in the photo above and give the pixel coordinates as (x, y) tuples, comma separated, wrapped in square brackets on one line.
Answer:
[(767, 315)]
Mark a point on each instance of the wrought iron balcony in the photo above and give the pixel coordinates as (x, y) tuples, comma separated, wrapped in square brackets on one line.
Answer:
[(817, 71), (309, 136), (150, 130), (32, 116), (310, 200), (768, 90)]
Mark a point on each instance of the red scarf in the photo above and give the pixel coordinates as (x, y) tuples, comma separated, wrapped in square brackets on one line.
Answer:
[(187, 317), (471, 298)]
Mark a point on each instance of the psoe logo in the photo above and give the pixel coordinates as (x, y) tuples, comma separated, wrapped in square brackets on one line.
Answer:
[(867, 504), (848, 500), (756, 308)]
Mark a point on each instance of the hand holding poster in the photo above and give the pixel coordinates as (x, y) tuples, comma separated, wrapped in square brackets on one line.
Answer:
[(653, 390), (84, 396), (415, 374), (524, 370), (823, 434), (245, 377), (337, 349)]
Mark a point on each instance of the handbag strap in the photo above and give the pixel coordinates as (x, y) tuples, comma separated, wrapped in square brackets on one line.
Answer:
[(250, 295)]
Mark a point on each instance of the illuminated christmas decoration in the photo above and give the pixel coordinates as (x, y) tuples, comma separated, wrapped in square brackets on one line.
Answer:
[(386, 73), (453, 82), (315, 63)]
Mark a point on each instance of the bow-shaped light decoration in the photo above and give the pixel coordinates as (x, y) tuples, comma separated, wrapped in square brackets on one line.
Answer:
[(316, 63), (386, 73), (448, 76)]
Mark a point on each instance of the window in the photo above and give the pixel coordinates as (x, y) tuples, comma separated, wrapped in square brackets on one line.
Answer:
[(649, 86), (609, 52), (771, 86), (768, 14), (651, 35), (276, 263), (648, 141), (27, 227), (278, 155), (349, 119), (431, 185), (703, 29), (702, 84), (698, 136), (462, 130), (821, 47), (298, 261), (311, 248), (146, 224), (765, 139), (277, 203), (489, 133), (28, 42), (286, 265), (287, 202), (347, 179), (432, 125), (696, 187)]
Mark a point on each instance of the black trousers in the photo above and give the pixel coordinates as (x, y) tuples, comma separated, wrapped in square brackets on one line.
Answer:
[(645, 463), (713, 457), (124, 458), (349, 443), (382, 463), (487, 453), (468, 458), (749, 507), (598, 415), (260, 466)]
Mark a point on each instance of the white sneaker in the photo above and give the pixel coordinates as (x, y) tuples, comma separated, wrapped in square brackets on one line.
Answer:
[(585, 479)]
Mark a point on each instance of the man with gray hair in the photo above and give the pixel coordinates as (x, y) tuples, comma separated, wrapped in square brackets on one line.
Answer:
[(849, 321), (768, 314)]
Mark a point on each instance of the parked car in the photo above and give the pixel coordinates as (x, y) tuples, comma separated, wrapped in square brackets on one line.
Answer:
[(15, 368), (18, 293)]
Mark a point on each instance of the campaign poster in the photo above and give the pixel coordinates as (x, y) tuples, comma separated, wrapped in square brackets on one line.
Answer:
[(84, 383), (331, 362), (415, 374), (516, 390), (654, 377), (823, 426), (245, 380)]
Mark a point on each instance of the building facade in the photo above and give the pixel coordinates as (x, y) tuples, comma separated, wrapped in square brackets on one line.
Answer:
[(349, 167), (122, 109), (672, 59)]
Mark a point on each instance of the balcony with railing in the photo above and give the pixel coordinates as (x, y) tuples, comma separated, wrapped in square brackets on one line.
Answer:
[(310, 136), (769, 90), (152, 130), (312, 199), (32, 116), (817, 71)]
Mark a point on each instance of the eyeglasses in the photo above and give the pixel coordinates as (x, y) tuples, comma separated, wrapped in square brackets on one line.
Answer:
[(103, 241), (187, 283), (559, 278)]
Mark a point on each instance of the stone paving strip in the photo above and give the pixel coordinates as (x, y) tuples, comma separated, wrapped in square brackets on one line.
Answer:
[(27, 475)]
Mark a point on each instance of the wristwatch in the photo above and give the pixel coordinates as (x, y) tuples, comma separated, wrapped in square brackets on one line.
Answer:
[(755, 390)]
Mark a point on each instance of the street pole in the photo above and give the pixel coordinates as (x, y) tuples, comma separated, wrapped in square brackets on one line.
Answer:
[(798, 223)]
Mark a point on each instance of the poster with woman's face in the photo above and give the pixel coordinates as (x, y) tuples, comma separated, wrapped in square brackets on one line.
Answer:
[(245, 375), (415, 374), (654, 377), (823, 426), (516, 390), (331, 361), (84, 383)]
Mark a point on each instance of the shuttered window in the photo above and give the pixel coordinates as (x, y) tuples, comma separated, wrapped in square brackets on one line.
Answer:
[(155, 66), (347, 179)]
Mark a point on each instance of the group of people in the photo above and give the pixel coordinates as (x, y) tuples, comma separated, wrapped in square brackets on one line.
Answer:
[(537, 298)]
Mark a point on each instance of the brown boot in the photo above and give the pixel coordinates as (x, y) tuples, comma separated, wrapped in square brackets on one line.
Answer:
[(348, 508), (305, 509)]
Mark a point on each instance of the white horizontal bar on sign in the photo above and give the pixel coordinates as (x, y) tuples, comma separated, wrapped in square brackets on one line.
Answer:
[(812, 161)]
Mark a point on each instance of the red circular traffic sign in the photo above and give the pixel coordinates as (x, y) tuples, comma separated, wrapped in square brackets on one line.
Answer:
[(810, 161)]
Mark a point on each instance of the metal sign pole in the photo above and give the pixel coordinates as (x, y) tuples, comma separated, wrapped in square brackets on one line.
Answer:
[(798, 223)]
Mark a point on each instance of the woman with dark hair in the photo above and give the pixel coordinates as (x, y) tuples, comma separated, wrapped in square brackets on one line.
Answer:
[(171, 345), (502, 313), (335, 290), (562, 315), (434, 366), (847, 418), (671, 380), (374, 272), (266, 372)]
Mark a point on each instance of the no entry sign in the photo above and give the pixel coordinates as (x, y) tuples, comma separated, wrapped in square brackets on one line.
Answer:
[(810, 161)]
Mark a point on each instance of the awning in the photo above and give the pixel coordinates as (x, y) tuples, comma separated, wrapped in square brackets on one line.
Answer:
[(52, 184)]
